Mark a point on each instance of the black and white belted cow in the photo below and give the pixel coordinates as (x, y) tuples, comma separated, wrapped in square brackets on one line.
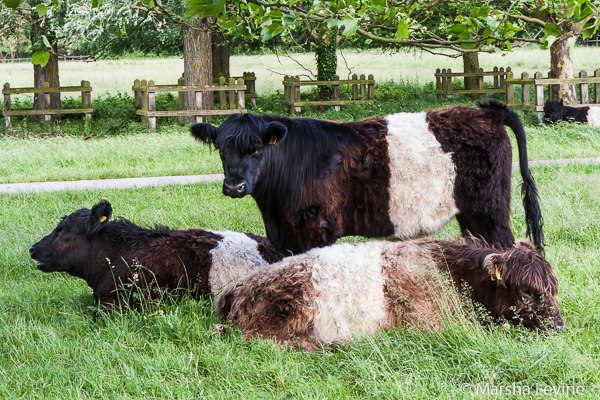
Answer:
[(403, 175)]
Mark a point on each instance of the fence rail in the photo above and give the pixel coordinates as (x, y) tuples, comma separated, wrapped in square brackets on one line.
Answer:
[(292, 85), (444, 77), (539, 82), (145, 96), (45, 98)]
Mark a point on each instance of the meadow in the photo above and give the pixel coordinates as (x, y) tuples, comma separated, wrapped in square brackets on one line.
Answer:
[(51, 347)]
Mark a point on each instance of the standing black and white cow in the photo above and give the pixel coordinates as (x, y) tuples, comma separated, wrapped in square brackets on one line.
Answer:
[(404, 175)]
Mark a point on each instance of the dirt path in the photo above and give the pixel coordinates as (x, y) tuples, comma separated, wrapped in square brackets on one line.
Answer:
[(184, 180)]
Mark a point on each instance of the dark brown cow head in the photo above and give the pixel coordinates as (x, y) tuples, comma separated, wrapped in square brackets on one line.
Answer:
[(526, 288), (68, 246), (243, 141)]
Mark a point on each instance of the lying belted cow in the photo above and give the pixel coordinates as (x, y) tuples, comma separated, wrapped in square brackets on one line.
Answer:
[(345, 291), (112, 254)]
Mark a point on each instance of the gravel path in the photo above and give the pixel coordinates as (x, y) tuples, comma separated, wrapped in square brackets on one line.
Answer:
[(184, 180)]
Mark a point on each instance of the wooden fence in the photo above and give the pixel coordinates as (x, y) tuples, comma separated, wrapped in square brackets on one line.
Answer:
[(45, 93), (249, 80), (539, 82), (145, 95), (443, 81), (292, 85)]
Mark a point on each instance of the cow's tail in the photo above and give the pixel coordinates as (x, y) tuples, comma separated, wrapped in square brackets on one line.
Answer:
[(533, 213)]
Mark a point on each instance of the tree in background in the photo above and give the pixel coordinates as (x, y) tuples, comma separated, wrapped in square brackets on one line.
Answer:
[(462, 28)]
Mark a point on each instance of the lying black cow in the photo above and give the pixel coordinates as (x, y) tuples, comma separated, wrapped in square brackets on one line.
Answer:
[(343, 292), (556, 111), (403, 175), (110, 254)]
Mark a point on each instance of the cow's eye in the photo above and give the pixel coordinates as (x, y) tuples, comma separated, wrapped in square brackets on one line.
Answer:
[(253, 149)]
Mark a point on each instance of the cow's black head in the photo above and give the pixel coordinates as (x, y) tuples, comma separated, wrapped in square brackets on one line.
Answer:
[(243, 141), (553, 111), (526, 288), (67, 248)]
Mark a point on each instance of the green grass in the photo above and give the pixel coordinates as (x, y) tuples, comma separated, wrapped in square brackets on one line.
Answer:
[(175, 152), (51, 348)]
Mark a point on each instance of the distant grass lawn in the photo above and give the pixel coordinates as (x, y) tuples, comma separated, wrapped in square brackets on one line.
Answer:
[(137, 155), (51, 348), (175, 152)]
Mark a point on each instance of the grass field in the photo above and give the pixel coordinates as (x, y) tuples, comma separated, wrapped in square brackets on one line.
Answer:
[(118, 75), (175, 152), (51, 348)]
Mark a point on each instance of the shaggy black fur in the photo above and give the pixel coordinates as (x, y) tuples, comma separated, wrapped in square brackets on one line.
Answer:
[(110, 253), (556, 111)]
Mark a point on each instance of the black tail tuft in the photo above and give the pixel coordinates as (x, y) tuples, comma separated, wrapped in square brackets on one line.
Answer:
[(533, 213)]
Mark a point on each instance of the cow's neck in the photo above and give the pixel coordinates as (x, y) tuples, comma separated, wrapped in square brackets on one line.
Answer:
[(467, 266)]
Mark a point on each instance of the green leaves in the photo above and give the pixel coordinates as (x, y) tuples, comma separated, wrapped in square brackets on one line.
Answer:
[(40, 57), (402, 32), (97, 3), (350, 25), (13, 4), (41, 10), (552, 30), (208, 8)]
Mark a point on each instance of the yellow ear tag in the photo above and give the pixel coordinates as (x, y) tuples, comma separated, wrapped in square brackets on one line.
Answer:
[(102, 218), (497, 275), (273, 140)]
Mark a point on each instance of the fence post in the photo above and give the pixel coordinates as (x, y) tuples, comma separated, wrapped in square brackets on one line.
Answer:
[(151, 106), (241, 94), (510, 90), (250, 85), (480, 79), (231, 94), (136, 92), (525, 94), (336, 92), (363, 88), (354, 88), (597, 87), (539, 95), (199, 101), (583, 89), (438, 84), (297, 109), (47, 96), (222, 93), (144, 100), (7, 118), (503, 77), (444, 83), (181, 95), (496, 78), (371, 87), (286, 96), (449, 84), (86, 98)]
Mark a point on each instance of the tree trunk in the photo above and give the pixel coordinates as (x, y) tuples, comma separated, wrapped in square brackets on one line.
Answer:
[(220, 51), (561, 66), (41, 75), (326, 54), (471, 64), (197, 61)]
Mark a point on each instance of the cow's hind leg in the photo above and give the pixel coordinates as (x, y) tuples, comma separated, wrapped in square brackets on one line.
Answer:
[(494, 229)]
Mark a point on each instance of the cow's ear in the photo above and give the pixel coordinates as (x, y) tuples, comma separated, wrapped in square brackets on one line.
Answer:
[(99, 217), (204, 132), (494, 266), (274, 133)]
